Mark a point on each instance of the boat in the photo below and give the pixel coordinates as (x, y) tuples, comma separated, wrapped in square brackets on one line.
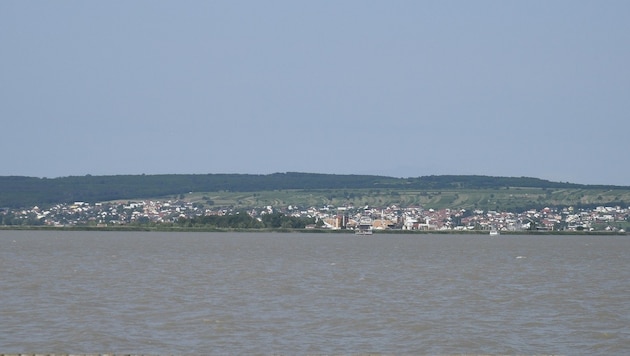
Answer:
[(494, 232), (365, 226)]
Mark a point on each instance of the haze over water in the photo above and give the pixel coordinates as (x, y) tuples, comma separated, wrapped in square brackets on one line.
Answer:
[(267, 293)]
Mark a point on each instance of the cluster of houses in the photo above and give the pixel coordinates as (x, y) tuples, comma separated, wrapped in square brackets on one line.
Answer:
[(602, 218), (416, 218)]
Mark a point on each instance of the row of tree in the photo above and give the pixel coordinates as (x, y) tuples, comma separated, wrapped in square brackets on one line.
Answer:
[(245, 221)]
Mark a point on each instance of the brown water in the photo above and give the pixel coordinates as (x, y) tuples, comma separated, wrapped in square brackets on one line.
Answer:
[(265, 293)]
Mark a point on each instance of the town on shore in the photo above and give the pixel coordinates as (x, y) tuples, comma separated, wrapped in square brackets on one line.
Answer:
[(412, 218)]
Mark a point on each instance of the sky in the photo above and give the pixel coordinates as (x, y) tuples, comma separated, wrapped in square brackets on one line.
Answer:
[(396, 88)]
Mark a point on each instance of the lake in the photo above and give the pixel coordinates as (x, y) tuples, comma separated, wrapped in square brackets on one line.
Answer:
[(288, 293)]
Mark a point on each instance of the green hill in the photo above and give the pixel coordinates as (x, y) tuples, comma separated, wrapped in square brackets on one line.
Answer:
[(494, 193)]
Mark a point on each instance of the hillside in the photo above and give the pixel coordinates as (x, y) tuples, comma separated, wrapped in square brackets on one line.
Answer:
[(311, 188), (515, 199)]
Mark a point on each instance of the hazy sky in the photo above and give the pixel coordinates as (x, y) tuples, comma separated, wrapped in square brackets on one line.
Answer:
[(398, 88)]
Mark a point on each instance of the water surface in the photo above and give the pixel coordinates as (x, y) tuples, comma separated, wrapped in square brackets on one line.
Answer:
[(267, 293)]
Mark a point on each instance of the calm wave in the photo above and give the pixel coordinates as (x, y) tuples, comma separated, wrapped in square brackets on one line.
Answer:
[(259, 293)]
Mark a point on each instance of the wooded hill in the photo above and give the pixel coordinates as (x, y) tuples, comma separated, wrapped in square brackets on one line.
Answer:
[(18, 192)]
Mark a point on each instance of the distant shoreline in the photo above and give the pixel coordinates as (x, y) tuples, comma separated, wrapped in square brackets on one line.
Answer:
[(305, 231)]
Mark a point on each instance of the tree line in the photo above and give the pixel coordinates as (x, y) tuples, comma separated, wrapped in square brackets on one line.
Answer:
[(245, 221), (17, 192)]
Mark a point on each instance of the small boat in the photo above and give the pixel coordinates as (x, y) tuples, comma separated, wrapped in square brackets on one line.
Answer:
[(494, 232)]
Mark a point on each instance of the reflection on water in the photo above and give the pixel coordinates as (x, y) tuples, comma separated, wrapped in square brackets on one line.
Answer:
[(265, 293)]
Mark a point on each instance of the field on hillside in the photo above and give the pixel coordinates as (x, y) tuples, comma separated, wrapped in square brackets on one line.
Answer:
[(504, 199)]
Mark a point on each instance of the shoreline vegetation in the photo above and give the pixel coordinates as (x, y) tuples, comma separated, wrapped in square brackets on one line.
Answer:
[(301, 231)]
